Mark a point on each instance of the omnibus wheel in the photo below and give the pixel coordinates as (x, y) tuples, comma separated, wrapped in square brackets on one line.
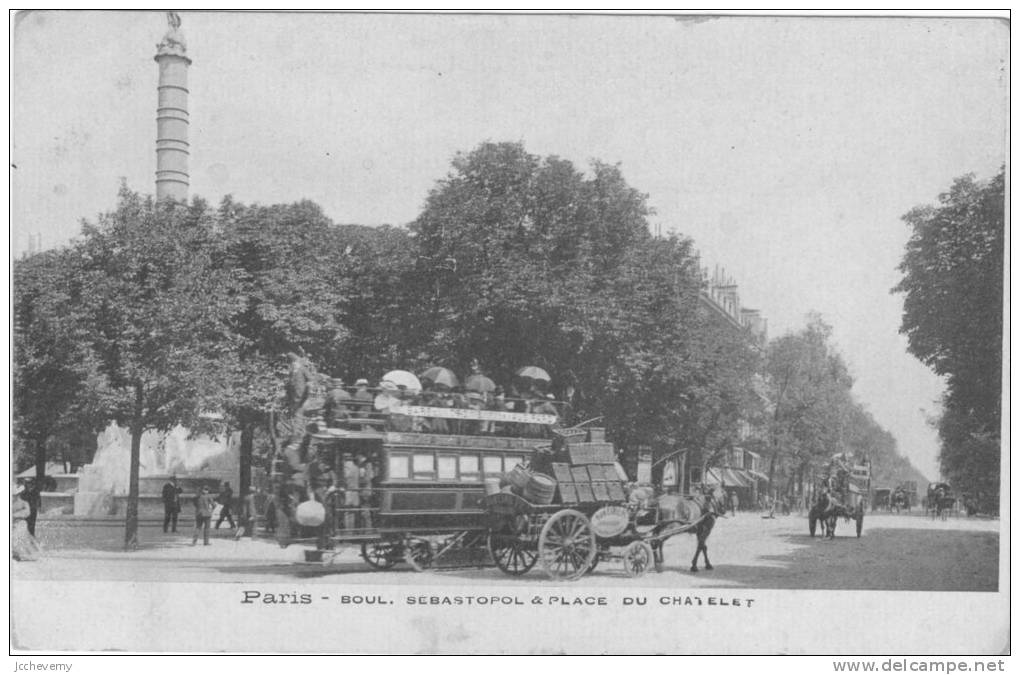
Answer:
[(566, 545), (379, 554), (510, 554)]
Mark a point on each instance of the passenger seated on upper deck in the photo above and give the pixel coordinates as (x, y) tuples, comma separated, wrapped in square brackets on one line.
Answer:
[(475, 401), (434, 397), (389, 398), (361, 402), (336, 409), (458, 400), (539, 406)]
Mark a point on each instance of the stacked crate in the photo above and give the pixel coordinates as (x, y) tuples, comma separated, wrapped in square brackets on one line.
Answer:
[(591, 474)]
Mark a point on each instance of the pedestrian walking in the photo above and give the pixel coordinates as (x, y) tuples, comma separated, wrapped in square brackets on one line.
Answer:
[(204, 505), (224, 499), (171, 504)]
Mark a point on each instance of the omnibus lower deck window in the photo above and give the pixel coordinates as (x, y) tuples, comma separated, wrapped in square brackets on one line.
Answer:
[(447, 467), (424, 466), (493, 466), (469, 471), (399, 466)]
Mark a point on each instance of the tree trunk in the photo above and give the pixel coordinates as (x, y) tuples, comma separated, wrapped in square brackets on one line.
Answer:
[(247, 441), (683, 473), (137, 427), (40, 462)]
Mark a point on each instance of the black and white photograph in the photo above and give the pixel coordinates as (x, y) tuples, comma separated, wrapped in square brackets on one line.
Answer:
[(509, 333)]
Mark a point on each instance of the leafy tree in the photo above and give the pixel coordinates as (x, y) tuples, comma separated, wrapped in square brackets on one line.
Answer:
[(53, 372), (155, 308), (508, 243), (285, 259), (382, 304), (528, 260), (952, 317), (809, 398)]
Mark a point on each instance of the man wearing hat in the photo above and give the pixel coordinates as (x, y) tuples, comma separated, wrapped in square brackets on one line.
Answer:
[(171, 504), (204, 505), (362, 400), (336, 410)]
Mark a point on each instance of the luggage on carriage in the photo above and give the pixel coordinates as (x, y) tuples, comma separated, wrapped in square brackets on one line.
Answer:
[(591, 517)]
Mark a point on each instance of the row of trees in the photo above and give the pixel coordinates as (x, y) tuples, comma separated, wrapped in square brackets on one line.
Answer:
[(162, 311), (952, 317)]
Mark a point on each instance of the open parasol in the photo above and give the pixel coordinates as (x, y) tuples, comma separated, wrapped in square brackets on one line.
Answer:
[(534, 373), (443, 377), (479, 383), (404, 379)]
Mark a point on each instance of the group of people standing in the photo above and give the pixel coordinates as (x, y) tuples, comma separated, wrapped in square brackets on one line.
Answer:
[(205, 506)]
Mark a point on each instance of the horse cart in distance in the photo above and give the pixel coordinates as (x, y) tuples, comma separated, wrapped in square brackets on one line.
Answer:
[(881, 499), (843, 493), (940, 500)]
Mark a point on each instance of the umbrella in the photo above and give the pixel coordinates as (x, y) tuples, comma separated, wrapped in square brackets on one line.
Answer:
[(479, 383), (441, 376), (534, 373), (404, 379)]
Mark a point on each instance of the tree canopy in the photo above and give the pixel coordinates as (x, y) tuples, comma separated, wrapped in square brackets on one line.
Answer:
[(952, 317), (155, 309), (163, 311)]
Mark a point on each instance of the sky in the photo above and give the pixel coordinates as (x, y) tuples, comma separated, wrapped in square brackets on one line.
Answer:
[(787, 148)]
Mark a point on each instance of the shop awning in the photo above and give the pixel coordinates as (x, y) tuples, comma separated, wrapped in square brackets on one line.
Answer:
[(728, 477), (757, 475)]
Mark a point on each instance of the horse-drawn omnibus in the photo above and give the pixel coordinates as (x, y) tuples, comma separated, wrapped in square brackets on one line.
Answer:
[(506, 488)]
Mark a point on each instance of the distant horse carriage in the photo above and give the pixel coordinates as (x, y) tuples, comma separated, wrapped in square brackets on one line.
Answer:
[(900, 501), (843, 494), (940, 501), (881, 499)]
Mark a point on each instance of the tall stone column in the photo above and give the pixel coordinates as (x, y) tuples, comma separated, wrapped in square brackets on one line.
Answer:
[(172, 148)]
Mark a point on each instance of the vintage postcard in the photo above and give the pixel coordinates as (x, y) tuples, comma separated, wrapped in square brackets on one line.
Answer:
[(496, 333)]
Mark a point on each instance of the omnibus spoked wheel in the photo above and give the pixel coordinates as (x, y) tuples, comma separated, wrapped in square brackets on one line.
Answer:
[(511, 554)]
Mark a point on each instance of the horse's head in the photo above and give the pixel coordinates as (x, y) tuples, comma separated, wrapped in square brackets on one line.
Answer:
[(712, 500)]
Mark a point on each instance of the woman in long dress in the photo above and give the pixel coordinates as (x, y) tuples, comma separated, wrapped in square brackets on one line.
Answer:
[(23, 544)]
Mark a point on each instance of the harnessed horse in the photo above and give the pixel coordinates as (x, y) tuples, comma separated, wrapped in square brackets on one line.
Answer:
[(943, 504), (698, 513), (828, 510)]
